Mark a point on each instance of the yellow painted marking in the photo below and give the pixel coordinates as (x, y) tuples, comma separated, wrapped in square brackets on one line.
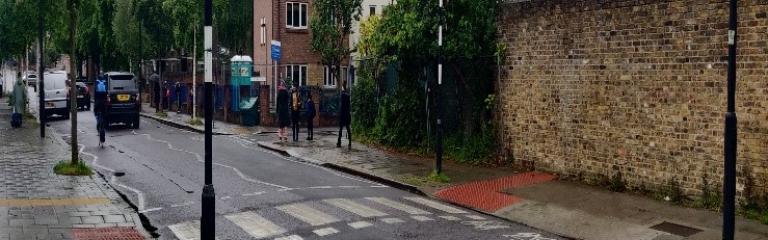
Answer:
[(53, 202)]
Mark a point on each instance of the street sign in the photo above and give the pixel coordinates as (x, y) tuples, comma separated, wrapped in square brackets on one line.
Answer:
[(276, 50)]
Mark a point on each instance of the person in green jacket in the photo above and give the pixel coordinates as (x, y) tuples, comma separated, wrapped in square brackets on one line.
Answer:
[(19, 97)]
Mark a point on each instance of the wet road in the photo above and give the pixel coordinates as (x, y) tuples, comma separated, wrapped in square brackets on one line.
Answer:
[(261, 195)]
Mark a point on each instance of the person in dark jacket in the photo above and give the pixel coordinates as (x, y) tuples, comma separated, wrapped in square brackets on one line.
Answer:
[(310, 117), (295, 112), (345, 116), (283, 111)]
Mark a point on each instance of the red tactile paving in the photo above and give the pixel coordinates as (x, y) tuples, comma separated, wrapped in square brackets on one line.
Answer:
[(484, 195), (112, 233)]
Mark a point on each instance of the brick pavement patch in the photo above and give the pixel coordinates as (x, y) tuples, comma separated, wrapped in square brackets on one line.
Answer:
[(484, 195), (112, 233)]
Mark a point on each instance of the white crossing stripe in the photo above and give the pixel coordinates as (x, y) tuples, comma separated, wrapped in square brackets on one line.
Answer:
[(325, 231), (187, 230), (421, 218), (399, 206), (475, 217), (450, 218), (307, 214), (255, 225), (392, 220), (360, 224), (292, 237), (436, 205), (355, 208)]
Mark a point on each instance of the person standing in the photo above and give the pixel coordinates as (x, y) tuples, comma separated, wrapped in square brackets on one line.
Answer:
[(345, 117), (283, 111), (19, 97), (295, 112), (310, 117)]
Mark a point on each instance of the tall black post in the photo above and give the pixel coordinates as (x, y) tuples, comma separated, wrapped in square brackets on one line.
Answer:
[(208, 227), (439, 127), (40, 69), (729, 180)]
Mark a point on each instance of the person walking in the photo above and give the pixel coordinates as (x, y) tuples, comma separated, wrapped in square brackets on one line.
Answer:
[(99, 108), (283, 111), (345, 117), (310, 117), (19, 97), (295, 112)]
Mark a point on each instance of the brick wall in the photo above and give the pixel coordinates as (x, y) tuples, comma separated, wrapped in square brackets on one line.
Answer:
[(591, 88)]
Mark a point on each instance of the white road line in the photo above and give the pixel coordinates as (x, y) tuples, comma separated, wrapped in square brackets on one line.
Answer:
[(325, 231), (392, 220), (399, 206), (475, 217), (422, 218), (307, 214), (200, 159), (252, 194), (354, 207), (450, 218), (238, 141), (186, 230), (182, 204), (292, 237), (360, 224), (436, 205), (150, 210), (255, 225)]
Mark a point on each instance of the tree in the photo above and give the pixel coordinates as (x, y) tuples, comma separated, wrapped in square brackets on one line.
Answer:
[(72, 9), (331, 23)]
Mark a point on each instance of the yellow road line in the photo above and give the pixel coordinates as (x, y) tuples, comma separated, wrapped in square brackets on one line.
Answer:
[(53, 202)]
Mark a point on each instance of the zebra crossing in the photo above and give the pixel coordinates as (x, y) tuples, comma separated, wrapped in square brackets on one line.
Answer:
[(366, 211)]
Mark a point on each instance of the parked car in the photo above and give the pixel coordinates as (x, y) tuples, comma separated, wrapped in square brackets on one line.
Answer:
[(122, 99), (56, 94), (31, 79), (83, 96)]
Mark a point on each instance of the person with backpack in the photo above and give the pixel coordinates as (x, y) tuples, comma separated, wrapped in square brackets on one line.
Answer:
[(295, 112), (310, 117), (100, 107)]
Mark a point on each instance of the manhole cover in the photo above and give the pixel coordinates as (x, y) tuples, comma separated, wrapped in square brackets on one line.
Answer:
[(676, 229), (115, 233)]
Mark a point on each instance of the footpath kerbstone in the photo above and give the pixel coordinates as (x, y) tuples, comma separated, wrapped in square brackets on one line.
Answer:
[(36, 203)]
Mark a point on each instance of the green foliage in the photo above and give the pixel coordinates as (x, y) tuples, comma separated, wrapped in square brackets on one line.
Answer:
[(400, 122), (161, 114), (330, 24), (66, 168), (711, 197), (672, 192), (364, 106), (616, 183), (476, 149), (195, 122), (441, 177)]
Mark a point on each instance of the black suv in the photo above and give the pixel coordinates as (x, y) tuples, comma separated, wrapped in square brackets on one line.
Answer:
[(123, 104)]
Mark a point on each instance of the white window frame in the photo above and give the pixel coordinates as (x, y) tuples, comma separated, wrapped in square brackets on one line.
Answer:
[(303, 71), (303, 16), (331, 81)]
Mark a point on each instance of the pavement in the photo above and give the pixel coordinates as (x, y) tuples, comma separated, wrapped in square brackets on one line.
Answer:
[(35, 203), (534, 199), (261, 194), (184, 121)]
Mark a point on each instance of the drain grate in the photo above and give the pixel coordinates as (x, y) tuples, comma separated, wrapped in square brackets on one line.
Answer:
[(112, 233), (676, 229)]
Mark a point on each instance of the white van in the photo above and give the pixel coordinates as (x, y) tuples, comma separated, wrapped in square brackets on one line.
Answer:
[(56, 94)]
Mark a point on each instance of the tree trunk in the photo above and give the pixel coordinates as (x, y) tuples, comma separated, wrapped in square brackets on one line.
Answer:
[(72, 85)]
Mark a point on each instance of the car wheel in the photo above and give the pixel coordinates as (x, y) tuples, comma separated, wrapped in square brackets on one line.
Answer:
[(65, 115)]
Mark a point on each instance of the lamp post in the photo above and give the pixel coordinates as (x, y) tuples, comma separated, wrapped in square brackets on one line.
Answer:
[(40, 69), (729, 168), (207, 222)]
